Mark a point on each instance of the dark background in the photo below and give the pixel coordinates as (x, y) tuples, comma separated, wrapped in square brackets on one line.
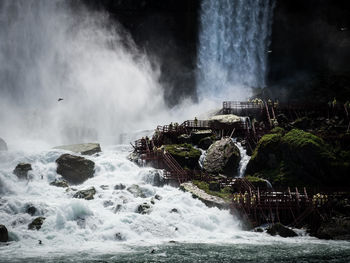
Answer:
[(310, 43)]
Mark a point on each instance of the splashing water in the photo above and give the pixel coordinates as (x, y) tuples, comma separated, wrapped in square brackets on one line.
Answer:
[(51, 50), (233, 43)]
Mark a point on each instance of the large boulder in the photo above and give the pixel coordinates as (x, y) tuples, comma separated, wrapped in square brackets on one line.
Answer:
[(185, 154), (36, 223), (75, 169), (222, 157), (22, 169), (337, 228), (84, 148), (4, 237), (295, 158), (281, 230), (3, 145), (87, 194)]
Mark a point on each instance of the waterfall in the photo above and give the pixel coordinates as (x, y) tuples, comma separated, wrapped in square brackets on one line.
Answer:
[(233, 46)]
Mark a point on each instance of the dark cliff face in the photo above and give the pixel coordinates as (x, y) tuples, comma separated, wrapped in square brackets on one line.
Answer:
[(167, 30), (308, 36)]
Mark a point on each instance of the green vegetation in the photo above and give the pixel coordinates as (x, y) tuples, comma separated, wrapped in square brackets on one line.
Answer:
[(296, 158), (224, 193), (185, 154)]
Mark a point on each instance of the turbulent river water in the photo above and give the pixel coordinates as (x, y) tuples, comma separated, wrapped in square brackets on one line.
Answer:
[(78, 230)]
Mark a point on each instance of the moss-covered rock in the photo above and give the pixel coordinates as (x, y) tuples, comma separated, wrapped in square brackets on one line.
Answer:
[(185, 154), (295, 158), (222, 158)]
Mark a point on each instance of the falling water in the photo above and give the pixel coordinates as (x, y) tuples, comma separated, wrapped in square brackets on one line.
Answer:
[(233, 46)]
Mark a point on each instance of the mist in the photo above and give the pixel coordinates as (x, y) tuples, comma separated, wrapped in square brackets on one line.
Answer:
[(50, 50)]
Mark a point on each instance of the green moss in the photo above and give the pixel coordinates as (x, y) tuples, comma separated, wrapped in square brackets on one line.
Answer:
[(297, 158), (224, 193), (254, 179), (185, 154), (183, 150), (268, 143), (278, 130)]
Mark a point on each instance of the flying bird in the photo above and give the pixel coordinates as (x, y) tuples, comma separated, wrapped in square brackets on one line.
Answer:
[(59, 99)]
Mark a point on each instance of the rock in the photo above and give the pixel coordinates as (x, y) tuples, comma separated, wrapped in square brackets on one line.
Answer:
[(136, 191), (205, 143), (185, 154), (119, 236), (158, 179), (4, 237), (118, 208), (75, 169), (3, 145), (338, 228), (197, 136), (174, 210), (104, 187), (134, 157), (108, 203), (281, 158), (209, 200), (60, 183), (22, 169), (222, 157), (281, 230), (87, 194), (144, 209), (119, 187), (225, 119), (30, 209), (36, 223), (184, 138), (214, 186), (158, 197), (84, 148)]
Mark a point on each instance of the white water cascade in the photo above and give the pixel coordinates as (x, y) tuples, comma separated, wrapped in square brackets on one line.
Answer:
[(233, 47)]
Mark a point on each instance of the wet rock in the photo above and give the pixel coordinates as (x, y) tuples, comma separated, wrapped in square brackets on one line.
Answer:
[(174, 210), (30, 209), (3, 145), (4, 237), (184, 138), (104, 187), (337, 228), (22, 169), (205, 143), (156, 179), (119, 187), (75, 169), (134, 157), (144, 209), (222, 157), (197, 136), (118, 208), (60, 183), (281, 230), (214, 186), (136, 191), (108, 203), (158, 197), (87, 194), (81, 222), (36, 223), (84, 148), (118, 236)]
